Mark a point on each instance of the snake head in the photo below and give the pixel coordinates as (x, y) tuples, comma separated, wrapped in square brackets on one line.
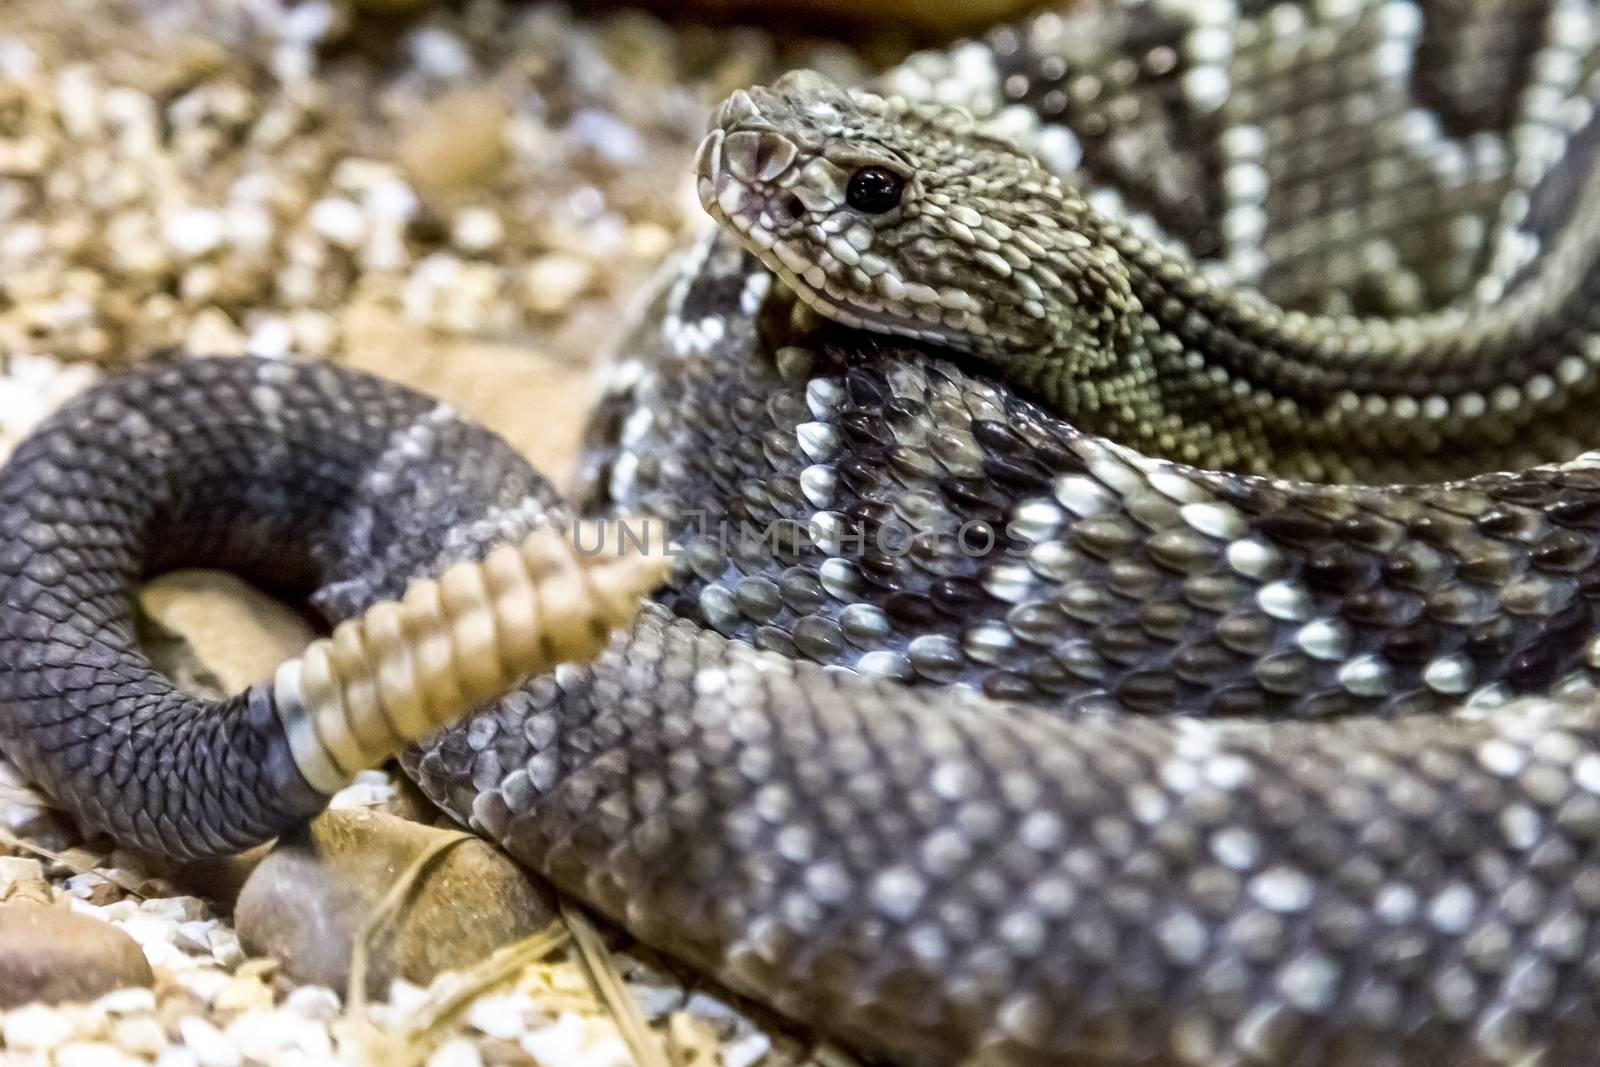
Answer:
[(906, 218)]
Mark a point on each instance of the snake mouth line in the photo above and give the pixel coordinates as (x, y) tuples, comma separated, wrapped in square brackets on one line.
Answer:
[(810, 294)]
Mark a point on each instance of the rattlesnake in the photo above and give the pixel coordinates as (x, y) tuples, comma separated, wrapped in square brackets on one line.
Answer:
[(960, 731)]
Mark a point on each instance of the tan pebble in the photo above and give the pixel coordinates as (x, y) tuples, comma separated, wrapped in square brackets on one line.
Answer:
[(93, 889), (141, 1034), (457, 142), (22, 879), (242, 994), (692, 1042), (554, 281), (650, 240), (214, 333)]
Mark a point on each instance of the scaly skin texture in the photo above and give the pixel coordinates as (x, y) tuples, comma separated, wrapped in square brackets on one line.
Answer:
[(987, 251), (1015, 745)]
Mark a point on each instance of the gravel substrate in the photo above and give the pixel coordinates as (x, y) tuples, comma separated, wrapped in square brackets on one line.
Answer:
[(462, 200)]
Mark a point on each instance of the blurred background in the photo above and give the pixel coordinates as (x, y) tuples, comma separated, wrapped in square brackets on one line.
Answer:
[(458, 195)]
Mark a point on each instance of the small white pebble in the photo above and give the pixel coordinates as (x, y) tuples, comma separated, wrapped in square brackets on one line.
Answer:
[(704, 1006), (210, 1046), (656, 1001), (553, 282), (194, 232), (477, 229), (204, 982), (167, 954), (746, 1051), (140, 1034), (179, 909), (37, 1027), (272, 337), (191, 936), (457, 1052), (339, 221), (313, 1002), (557, 1043), (130, 1001), (440, 54), (148, 930), (406, 997), (505, 1017), (223, 943)]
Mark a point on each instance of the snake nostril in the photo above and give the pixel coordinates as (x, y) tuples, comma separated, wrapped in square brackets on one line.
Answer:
[(796, 207)]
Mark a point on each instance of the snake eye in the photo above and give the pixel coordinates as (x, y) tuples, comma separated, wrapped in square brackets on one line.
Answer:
[(874, 190)]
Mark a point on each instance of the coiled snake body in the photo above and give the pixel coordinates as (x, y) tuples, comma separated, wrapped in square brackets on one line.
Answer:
[(980, 738)]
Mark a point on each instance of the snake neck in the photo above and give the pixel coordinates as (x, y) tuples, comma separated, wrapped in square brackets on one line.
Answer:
[(909, 220)]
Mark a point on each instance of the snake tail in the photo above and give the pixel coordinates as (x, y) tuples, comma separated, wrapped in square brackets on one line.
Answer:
[(324, 485), (407, 667)]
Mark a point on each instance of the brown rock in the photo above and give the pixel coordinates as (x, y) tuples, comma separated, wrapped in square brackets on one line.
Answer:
[(50, 954), (307, 900), (220, 631)]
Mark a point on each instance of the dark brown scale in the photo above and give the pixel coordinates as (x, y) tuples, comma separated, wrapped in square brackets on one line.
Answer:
[(1368, 531), (1535, 668), (1250, 634), (1414, 644), (1022, 477), (1050, 676), (1331, 704), (1491, 639), (1122, 643), (865, 388), (1005, 685), (1441, 531), (1001, 440), (1339, 568), (1285, 673), (1241, 700), (1415, 567), (881, 572), (866, 431), (1581, 513), (1149, 692), (1205, 663), (975, 498), (1488, 563), (912, 610), (1294, 528), (1510, 525), (957, 597), (1381, 607), (1168, 619)]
